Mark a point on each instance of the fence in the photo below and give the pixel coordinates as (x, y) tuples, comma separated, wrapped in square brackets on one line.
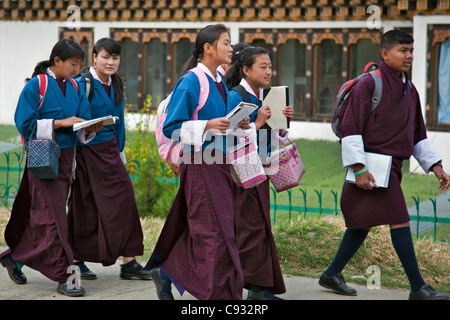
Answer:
[(10, 177)]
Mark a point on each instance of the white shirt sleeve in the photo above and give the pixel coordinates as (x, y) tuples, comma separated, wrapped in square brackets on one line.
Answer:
[(426, 154), (352, 150), (193, 132)]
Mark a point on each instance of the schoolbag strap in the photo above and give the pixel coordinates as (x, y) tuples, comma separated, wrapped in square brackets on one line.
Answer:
[(88, 80), (376, 75), (204, 90), (242, 92), (43, 83), (74, 83)]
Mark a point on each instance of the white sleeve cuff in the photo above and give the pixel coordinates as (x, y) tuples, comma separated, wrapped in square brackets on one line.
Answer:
[(44, 129), (193, 132), (85, 137), (352, 150), (123, 157), (426, 154)]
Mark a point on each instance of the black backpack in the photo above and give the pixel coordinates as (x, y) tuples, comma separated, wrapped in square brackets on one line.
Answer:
[(88, 80)]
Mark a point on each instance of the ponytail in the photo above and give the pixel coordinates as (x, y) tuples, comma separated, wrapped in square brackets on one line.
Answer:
[(40, 68)]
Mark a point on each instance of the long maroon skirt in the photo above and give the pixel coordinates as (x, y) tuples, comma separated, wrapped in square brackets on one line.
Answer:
[(103, 217), (257, 249), (379, 206), (197, 245), (37, 233)]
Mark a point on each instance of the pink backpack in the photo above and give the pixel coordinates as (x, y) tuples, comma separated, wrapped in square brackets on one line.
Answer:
[(170, 150)]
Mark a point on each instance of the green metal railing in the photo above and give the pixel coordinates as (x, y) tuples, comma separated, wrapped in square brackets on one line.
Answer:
[(10, 177)]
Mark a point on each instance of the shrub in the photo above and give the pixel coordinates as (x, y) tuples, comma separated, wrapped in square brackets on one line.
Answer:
[(153, 197)]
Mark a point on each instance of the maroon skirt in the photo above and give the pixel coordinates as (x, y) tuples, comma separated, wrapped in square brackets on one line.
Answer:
[(197, 245), (257, 249), (37, 232), (103, 217), (379, 206)]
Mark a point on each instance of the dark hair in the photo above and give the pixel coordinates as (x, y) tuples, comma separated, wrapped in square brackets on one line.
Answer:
[(237, 50), (247, 59), (63, 49), (209, 34), (394, 37), (113, 48)]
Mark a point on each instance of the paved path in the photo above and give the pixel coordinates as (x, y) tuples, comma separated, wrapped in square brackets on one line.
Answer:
[(109, 286)]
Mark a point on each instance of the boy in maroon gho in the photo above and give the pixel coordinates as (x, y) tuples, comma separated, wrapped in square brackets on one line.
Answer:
[(396, 128)]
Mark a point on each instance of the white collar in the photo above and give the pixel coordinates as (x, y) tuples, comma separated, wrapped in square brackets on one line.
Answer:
[(205, 69), (249, 89), (52, 74), (96, 77)]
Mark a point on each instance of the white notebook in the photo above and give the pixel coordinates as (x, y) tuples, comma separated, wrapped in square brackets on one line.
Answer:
[(379, 165), (107, 121)]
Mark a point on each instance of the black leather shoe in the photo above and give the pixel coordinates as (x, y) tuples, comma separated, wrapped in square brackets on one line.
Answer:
[(133, 270), (85, 272), (74, 292), (13, 271), (261, 295), (159, 283), (337, 284), (426, 292)]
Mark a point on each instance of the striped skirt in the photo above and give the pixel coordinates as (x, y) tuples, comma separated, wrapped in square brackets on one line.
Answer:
[(197, 245), (379, 206), (103, 217), (257, 249), (37, 232)]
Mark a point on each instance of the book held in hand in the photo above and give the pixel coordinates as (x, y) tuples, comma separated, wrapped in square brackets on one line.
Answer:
[(240, 112), (107, 121), (276, 98), (379, 165)]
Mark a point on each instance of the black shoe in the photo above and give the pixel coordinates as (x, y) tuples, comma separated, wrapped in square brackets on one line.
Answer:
[(337, 284), (261, 295), (85, 272), (159, 283), (426, 292), (13, 271), (133, 270), (74, 292)]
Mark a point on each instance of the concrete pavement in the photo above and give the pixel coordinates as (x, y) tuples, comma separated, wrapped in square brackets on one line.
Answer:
[(109, 286)]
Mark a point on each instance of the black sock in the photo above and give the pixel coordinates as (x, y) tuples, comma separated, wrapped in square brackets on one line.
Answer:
[(403, 245), (352, 240)]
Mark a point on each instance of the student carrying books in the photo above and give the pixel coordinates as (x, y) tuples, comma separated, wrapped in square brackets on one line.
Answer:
[(396, 128), (103, 217), (197, 250)]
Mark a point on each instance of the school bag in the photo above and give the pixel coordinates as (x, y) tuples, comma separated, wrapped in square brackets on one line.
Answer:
[(88, 80), (170, 150), (344, 91)]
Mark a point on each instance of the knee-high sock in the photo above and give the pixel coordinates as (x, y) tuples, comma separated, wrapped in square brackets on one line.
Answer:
[(352, 240), (403, 245)]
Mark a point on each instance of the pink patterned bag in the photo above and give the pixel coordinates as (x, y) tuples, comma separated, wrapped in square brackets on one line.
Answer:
[(246, 166), (285, 168)]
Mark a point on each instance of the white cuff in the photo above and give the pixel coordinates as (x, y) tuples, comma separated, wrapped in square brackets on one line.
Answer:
[(426, 154), (193, 132), (44, 129), (352, 150), (123, 157), (85, 137)]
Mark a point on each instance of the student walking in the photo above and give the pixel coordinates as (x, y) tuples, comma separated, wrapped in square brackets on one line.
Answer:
[(103, 217), (396, 128), (37, 232), (197, 250), (251, 71)]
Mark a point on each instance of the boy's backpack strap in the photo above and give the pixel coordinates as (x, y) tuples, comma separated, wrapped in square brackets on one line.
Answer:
[(204, 90), (242, 92), (376, 75), (43, 84)]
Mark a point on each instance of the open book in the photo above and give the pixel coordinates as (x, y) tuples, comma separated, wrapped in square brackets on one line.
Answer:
[(276, 98), (108, 120), (379, 165), (242, 111)]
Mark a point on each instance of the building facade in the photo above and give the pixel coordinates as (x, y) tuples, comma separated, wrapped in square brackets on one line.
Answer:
[(315, 46)]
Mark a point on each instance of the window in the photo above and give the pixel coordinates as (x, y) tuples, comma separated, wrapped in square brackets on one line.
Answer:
[(361, 53)]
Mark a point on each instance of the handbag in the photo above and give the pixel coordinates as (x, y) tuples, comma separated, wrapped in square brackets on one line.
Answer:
[(285, 167), (246, 166), (43, 156)]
